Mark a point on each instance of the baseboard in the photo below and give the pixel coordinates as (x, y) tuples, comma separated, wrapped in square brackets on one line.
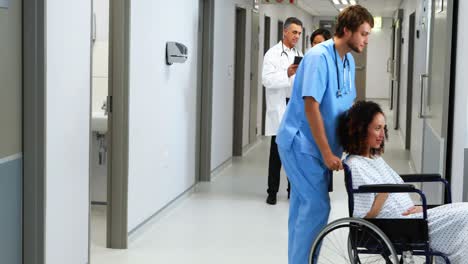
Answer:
[(217, 171), (247, 148), (140, 229)]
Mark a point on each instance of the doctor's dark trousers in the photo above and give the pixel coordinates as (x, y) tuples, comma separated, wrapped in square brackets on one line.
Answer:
[(274, 167)]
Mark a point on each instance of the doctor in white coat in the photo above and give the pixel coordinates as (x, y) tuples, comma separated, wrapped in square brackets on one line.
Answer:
[(278, 77)]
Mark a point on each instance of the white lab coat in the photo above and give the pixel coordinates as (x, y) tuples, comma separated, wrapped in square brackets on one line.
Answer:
[(278, 86)]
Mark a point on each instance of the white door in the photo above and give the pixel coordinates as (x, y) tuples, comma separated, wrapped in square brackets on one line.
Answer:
[(437, 95), (419, 80)]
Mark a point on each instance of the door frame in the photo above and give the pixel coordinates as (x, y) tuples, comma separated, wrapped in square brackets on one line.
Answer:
[(239, 77), (266, 47), (118, 122), (205, 90), (280, 30), (34, 23), (409, 81), (397, 25), (255, 51)]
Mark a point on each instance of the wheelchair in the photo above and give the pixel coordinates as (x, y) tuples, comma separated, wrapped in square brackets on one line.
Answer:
[(387, 241)]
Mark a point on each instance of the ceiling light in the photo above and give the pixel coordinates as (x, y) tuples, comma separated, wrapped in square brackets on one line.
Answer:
[(336, 2), (344, 2), (353, 2), (341, 9), (377, 22)]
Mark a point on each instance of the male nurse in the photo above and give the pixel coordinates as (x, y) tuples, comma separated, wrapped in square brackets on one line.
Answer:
[(308, 145)]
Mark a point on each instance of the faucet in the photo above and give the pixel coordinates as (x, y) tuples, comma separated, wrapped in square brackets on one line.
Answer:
[(104, 107)]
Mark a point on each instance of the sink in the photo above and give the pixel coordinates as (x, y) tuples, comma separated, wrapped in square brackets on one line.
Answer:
[(99, 122)]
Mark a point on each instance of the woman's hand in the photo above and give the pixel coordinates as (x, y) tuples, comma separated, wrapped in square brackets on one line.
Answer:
[(413, 210)]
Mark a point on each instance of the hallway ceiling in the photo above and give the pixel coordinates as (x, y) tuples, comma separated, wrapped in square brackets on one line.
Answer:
[(384, 8)]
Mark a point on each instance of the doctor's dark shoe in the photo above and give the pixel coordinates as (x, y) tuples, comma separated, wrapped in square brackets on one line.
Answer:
[(271, 199)]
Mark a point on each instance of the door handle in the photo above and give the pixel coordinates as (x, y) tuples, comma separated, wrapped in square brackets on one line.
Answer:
[(421, 86), (390, 66)]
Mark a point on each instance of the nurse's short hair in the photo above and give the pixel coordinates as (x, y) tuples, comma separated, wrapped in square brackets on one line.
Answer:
[(353, 128), (352, 17), (291, 20)]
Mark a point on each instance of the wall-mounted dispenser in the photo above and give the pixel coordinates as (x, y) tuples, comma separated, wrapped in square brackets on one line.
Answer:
[(176, 53)]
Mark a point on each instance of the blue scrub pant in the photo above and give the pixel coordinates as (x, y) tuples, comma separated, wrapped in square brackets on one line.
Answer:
[(309, 206)]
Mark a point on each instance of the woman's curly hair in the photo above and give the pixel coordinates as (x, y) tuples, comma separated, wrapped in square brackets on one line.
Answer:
[(353, 126)]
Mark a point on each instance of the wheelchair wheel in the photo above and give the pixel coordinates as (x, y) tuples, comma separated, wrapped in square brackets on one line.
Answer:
[(352, 241)]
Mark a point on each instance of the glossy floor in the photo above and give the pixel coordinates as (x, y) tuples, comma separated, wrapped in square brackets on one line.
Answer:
[(226, 220)]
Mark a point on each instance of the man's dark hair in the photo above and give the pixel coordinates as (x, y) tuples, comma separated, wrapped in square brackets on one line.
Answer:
[(321, 31), (352, 17), (291, 20), (353, 128)]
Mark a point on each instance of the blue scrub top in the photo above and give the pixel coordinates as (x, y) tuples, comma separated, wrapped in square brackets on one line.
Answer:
[(317, 77)]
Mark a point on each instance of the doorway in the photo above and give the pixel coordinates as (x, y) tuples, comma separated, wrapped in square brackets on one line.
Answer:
[(100, 104), (280, 30), (409, 85), (360, 60), (304, 40), (239, 70)]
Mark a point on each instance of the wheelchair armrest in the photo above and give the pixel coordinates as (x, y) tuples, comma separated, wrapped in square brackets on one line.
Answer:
[(386, 188), (431, 177), (421, 177), (394, 188)]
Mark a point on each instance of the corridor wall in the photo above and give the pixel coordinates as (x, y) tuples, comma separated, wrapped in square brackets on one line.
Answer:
[(162, 106), (10, 135)]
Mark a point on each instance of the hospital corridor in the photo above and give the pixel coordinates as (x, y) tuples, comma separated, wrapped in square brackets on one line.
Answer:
[(226, 220), (218, 131)]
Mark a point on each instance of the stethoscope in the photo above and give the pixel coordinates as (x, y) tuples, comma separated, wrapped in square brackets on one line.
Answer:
[(340, 91), (284, 52)]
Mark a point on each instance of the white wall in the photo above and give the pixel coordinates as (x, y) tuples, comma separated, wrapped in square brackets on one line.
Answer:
[(68, 53), (223, 79), (162, 106), (378, 52), (460, 124)]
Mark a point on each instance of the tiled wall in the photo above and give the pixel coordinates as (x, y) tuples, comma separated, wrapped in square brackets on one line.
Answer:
[(100, 74)]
